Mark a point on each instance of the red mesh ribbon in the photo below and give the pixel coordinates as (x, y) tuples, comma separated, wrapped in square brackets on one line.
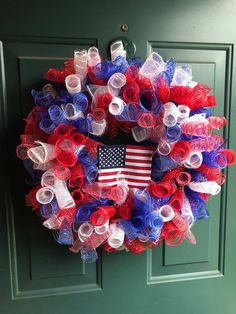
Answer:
[(194, 98), (95, 240), (30, 198), (126, 126), (176, 201), (230, 156), (78, 138), (99, 114), (93, 79), (113, 126), (68, 216), (103, 100), (131, 74), (162, 89), (92, 145), (135, 246), (143, 83), (124, 210), (131, 93), (78, 196), (61, 172), (173, 236), (171, 175), (76, 179), (212, 174), (183, 178), (61, 130), (32, 122), (77, 246), (65, 152), (57, 76), (21, 151), (180, 151), (163, 189), (217, 122), (102, 214), (108, 248)]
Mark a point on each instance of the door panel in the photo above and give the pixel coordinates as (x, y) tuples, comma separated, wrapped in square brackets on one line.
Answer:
[(39, 276)]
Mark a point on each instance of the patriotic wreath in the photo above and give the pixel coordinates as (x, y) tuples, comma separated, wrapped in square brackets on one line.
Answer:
[(122, 196)]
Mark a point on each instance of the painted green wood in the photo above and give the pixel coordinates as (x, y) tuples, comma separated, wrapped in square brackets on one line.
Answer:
[(37, 275)]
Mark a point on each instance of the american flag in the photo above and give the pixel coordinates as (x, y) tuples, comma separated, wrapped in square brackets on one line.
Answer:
[(125, 162)]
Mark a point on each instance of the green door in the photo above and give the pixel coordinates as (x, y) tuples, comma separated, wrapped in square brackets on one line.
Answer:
[(37, 275)]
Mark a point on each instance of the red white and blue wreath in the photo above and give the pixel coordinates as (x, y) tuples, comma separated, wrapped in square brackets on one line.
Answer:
[(129, 197)]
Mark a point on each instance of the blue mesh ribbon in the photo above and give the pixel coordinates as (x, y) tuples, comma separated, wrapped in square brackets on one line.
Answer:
[(65, 236), (130, 232), (88, 256), (83, 125), (163, 164), (153, 220), (206, 111), (42, 98), (47, 210), (80, 101), (47, 125), (106, 69), (198, 205), (173, 133), (148, 101), (215, 160), (56, 114)]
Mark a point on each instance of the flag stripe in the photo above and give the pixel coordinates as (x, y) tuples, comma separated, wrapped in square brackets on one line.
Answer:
[(130, 169), (141, 151), (143, 175), (130, 162), (130, 176), (139, 157), (130, 183)]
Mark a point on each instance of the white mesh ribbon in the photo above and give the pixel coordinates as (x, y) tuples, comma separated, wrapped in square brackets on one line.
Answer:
[(45, 166), (181, 77), (45, 195), (42, 153), (73, 84), (71, 112), (93, 56), (115, 83), (116, 239), (98, 127), (80, 63), (117, 49), (184, 112), (164, 147), (186, 211), (153, 66), (140, 134), (102, 229), (209, 187), (116, 106), (63, 196), (171, 114), (166, 212), (85, 230), (194, 160)]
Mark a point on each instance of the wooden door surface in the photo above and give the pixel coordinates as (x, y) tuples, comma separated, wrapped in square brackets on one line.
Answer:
[(39, 276)]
